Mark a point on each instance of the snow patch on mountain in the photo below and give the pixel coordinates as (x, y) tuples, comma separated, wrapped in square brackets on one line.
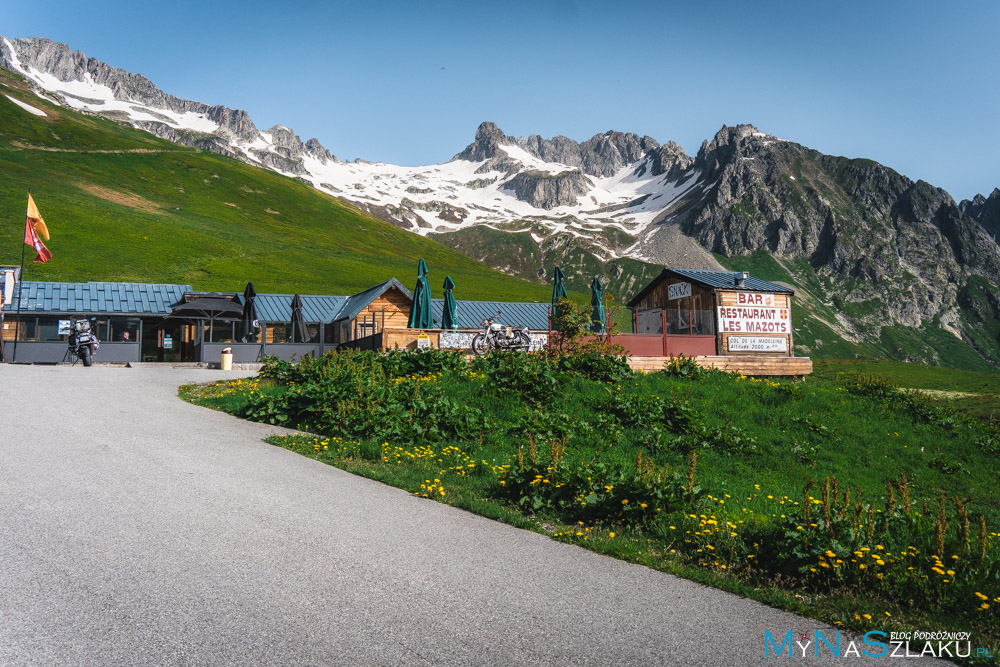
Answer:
[(27, 107), (608, 191)]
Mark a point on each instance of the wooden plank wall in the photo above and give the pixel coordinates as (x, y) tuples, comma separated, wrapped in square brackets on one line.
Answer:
[(397, 312), (702, 298), (730, 298), (755, 365)]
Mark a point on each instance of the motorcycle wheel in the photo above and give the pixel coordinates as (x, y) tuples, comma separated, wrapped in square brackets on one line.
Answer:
[(525, 341), (479, 344), (85, 356)]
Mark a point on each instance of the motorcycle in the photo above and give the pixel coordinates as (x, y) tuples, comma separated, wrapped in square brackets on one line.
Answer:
[(496, 336), (82, 341)]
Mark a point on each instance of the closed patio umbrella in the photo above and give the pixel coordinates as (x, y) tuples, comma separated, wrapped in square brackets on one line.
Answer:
[(598, 318), (449, 313), (420, 311), (558, 288), (249, 326), (299, 332)]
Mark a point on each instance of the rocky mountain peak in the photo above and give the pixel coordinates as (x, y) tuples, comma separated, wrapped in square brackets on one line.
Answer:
[(726, 143), (489, 138), (986, 210)]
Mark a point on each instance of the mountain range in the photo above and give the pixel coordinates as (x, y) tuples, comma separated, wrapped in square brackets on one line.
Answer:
[(883, 264)]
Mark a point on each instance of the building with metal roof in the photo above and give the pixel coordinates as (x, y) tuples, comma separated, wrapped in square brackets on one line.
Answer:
[(701, 312), (140, 321), (470, 314), (316, 308), (97, 298), (714, 279)]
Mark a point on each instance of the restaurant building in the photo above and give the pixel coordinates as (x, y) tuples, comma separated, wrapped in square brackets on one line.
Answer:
[(145, 322)]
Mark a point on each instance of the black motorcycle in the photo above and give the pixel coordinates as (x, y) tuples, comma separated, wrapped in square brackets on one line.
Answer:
[(82, 341)]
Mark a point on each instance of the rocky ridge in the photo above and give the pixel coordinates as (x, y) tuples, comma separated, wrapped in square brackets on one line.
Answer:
[(227, 131)]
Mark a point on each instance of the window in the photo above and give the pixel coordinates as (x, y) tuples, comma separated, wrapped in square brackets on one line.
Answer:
[(28, 329), (222, 332), (48, 330), (123, 329), (277, 333)]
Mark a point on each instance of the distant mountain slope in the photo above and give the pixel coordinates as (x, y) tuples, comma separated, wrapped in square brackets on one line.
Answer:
[(124, 205)]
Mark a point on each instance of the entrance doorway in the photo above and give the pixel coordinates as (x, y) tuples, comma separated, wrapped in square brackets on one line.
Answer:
[(167, 340)]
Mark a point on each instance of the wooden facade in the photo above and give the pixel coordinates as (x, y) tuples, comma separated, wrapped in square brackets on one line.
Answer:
[(390, 310), (747, 316)]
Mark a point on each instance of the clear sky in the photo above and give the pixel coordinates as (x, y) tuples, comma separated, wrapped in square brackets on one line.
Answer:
[(912, 84)]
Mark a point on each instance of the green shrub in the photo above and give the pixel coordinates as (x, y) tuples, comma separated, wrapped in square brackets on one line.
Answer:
[(528, 375)]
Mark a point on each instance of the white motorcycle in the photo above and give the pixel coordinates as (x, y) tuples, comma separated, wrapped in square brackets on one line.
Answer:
[(496, 336)]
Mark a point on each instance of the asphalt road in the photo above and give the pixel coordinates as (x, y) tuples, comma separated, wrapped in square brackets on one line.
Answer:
[(137, 529)]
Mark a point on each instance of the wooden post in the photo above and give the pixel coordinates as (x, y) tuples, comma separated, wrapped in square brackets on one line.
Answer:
[(663, 328), (791, 338), (715, 310)]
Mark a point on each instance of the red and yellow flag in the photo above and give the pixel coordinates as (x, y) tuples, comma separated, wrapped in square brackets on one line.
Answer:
[(34, 229)]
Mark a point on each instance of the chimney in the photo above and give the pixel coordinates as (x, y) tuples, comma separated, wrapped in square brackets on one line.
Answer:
[(740, 279)]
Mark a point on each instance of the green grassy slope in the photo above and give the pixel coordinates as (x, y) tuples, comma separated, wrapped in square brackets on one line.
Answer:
[(123, 205)]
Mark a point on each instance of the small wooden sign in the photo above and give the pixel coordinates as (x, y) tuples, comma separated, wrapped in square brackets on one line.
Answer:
[(678, 291)]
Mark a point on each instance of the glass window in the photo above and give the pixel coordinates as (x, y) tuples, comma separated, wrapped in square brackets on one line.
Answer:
[(48, 329), (222, 332), (277, 333), (28, 329), (124, 329), (102, 329)]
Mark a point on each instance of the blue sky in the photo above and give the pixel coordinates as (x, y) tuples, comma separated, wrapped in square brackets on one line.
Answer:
[(910, 84)]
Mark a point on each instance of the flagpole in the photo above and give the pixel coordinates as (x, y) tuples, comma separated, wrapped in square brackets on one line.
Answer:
[(20, 284)]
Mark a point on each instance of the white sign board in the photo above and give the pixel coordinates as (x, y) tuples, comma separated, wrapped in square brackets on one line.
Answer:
[(8, 287), (63, 328), (678, 291), (751, 319), (755, 299), (758, 344), (423, 342)]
